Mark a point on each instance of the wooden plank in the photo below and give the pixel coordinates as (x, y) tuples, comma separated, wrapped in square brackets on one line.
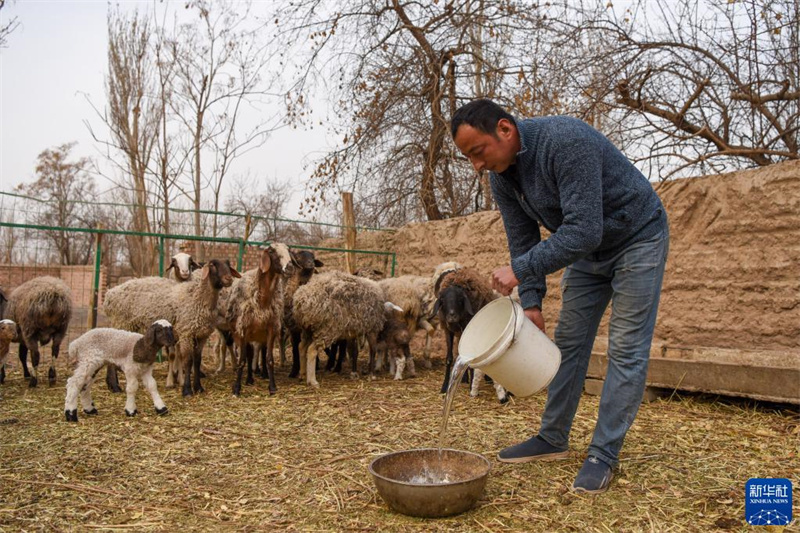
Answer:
[(775, 384)]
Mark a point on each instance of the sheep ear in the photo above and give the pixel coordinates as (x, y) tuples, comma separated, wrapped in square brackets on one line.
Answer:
[(194, 265), (389, 306), (293, 257), (172, 265), (205, 271), (235, 273), (436, 305), (150, 335), (468, 305), (266, 261), (318, 263)]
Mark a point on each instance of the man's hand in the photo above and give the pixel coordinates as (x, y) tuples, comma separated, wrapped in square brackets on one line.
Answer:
[(534, 314), (504, 280)]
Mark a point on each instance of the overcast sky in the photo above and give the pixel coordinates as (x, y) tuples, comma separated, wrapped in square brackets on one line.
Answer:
[(56, 58)]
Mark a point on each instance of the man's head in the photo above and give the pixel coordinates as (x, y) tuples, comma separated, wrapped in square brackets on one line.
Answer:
[(486, 134)]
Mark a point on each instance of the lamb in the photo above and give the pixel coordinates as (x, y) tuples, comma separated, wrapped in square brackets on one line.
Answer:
[(133, 352), (393, 342), (335, 306), (190, 307), (254, 310), (41, 308), (181, 267), (8, 333)]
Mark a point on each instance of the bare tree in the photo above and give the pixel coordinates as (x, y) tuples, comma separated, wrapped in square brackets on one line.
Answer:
[(218, 63), (66, 192), (264, 209), (6, 27), (396, 71), (695, 86)]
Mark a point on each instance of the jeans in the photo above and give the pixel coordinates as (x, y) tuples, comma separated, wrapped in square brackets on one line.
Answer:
[(631, 280)]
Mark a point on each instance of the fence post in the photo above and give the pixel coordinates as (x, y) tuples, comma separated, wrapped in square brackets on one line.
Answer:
[(161, 256), (349, 222), (240, 258), (98, 254), (394, 261)]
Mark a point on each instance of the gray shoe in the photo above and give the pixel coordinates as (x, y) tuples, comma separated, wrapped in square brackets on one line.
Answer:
[(533, 449), (594, 476)]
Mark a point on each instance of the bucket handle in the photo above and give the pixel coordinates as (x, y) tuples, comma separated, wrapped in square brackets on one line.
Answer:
[(514, 329)]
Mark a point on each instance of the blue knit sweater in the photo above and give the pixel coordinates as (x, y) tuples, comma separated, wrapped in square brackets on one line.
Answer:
[(573, 181)]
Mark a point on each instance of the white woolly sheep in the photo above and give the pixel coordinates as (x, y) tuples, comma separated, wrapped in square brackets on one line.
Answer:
[(190, 307), (335, 306), (41, 308), (254, 310), (8, 333), (132, 352)]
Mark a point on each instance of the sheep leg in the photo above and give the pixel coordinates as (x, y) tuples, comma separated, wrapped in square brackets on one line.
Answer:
[(221, 350), (197, 359), (56, 347), (76, 385), (250, 357), (372, 340), (171, 367), (296, 360), (265, 372), (237, 384), (477, 376), (131, 386), (150, 384), (302, 350), (112, 380), (186, 355), (282, 346), (448, 362), (34, 348), (86, 393), (23, 359), (270, 362), (331, 351), (426, 352), (409, 360), (311, 368), (400, 365), (341, 354), (352, 350), (2, 373), (385, 356)]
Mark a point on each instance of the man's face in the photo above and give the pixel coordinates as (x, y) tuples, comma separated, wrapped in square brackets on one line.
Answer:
[(489, 152)]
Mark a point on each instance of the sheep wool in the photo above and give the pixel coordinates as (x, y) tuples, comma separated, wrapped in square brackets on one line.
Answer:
[(477, 288)]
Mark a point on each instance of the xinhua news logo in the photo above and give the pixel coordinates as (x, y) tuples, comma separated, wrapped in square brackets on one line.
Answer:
[(768, 502)]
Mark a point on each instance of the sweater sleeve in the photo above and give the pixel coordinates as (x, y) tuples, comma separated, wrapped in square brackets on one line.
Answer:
[(574, 156), (523, 235)]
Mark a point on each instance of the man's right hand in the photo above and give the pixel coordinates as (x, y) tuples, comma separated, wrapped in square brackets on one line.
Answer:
[(535, 315)]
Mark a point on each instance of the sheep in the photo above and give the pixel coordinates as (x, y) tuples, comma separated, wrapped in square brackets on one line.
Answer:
[(460, 294), (41, 308), (478, 376), (190, 307), (134, 306), (393, 342), (336, 306), (369, 273), (133, 352), (181, 267), (307, 266), (8, 333), (254, 310)]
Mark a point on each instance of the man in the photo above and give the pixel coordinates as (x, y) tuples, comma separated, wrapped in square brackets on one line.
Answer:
[(609, 229)]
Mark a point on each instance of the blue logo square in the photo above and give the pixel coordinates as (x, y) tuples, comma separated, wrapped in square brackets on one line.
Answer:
[(768, 501)]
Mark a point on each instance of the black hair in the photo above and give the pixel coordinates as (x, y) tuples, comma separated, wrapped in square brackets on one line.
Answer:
[(482, 114)]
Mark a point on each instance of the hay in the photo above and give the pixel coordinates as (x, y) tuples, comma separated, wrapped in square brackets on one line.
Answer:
[(297, 461)]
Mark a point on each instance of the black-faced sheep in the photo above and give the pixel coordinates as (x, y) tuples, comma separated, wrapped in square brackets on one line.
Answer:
[(393, 342), (307, 266), (41, 308), (254, 310), (190, 307), (8, 333), (461, 294), (134, 353), (335, 306)]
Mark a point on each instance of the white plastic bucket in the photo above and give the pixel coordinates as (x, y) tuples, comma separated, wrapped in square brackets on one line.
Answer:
[(501, 341)]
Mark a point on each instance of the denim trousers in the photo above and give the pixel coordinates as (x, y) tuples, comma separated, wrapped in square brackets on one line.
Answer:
[(631, 281)]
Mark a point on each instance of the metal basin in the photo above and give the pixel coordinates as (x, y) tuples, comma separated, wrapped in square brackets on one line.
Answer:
[(415, 483)]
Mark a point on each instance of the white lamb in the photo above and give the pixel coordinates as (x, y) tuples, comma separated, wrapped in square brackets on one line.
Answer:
[(134, 353)]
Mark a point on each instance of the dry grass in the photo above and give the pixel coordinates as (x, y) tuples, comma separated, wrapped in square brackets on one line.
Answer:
[(297, 461)]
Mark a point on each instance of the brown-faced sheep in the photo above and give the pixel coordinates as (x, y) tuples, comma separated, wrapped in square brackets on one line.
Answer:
[(41, 308)]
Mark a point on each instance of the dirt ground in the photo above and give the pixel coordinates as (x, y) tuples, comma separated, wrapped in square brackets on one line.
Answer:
[(297, 461)]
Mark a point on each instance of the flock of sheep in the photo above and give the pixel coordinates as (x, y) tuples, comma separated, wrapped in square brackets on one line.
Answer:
[(285, 297)]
